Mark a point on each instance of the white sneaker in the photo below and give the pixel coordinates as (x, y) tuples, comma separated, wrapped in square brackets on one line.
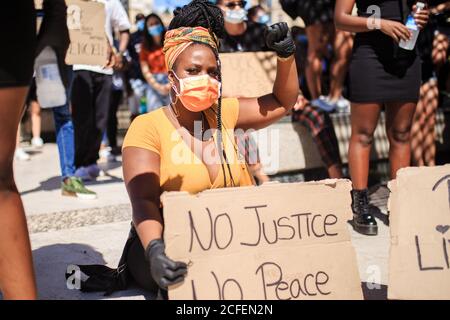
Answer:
[(37, 142), (343, 105), (21, 155), (106, 155)]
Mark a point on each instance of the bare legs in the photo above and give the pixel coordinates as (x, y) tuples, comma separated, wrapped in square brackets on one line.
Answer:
[(364, 119), (399, 118), (343, 44), (35, 119), (319, 36), (16, 267)]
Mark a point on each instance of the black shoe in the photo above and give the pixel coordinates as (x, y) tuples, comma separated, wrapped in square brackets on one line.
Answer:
[(363, 222)]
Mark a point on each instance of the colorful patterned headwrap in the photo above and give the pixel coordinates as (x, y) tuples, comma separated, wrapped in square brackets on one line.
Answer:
[(177, 40)]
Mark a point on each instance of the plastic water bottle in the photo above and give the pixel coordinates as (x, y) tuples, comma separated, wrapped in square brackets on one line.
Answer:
[(413, 28), (50, 90), (143, 105)]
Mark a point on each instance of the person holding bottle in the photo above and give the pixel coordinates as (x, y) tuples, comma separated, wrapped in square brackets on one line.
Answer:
[(391, 79), (153, 65)]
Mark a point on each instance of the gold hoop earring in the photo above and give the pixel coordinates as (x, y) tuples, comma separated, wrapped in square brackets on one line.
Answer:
[(172, 104)]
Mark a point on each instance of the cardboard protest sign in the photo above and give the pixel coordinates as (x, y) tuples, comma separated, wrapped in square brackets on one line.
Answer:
[(86, 23), (249, 74), (419, 205), (276, 241)]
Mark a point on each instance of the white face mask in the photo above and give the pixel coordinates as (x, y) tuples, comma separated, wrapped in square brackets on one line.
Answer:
[(235, 16)]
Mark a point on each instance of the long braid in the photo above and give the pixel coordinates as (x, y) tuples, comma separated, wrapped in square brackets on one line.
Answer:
[(202, 13)]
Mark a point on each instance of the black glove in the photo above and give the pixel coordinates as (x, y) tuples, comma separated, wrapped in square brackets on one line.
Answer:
[(164, 271), (278, 37)]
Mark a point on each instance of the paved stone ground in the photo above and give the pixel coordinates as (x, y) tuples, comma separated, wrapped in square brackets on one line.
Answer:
[(67, 230)]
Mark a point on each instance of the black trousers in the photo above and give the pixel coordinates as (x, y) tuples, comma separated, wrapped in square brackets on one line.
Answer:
[(111, 132), (91, 94)]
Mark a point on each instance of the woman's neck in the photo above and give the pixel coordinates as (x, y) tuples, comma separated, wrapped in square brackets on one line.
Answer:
[(188, 119)]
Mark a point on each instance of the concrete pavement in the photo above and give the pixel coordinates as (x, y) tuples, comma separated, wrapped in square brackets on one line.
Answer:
[(68, 230)]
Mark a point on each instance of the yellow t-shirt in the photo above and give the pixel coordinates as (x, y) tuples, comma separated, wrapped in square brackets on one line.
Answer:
[(180, 168)]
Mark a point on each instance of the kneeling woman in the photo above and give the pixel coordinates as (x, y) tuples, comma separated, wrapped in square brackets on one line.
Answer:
[(154, 141)]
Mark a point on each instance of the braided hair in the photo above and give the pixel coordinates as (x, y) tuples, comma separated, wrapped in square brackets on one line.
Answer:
[(202, 13)]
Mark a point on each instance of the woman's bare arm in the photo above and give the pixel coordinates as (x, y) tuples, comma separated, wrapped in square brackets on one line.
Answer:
[(344, 20), (141, 174)]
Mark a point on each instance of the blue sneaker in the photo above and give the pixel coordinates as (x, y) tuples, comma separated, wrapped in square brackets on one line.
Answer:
[(324, 103), (88, 173), (93, 170), (83, 174)]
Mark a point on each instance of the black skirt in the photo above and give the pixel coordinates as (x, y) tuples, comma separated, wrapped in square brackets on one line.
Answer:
[(18, 35), (380, 71)]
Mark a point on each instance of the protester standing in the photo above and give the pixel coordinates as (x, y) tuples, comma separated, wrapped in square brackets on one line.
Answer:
[(153, 66), (242, 35), (258, 14), (391, 78), (320, 31), (55, 34), (91, 93), (433, 46), (35, 115)]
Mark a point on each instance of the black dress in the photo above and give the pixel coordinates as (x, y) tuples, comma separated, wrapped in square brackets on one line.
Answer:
[(380, 71)]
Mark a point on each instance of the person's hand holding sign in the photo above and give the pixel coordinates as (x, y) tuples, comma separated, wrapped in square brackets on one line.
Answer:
[(278, 38), (111, 62), (164, 271)]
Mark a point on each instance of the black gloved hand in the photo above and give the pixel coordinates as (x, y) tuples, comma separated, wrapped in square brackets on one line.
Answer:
[(164, 271), (278, 37)]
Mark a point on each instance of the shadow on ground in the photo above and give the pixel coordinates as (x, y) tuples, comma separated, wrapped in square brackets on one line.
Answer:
[(54, 183), (52, 262)]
